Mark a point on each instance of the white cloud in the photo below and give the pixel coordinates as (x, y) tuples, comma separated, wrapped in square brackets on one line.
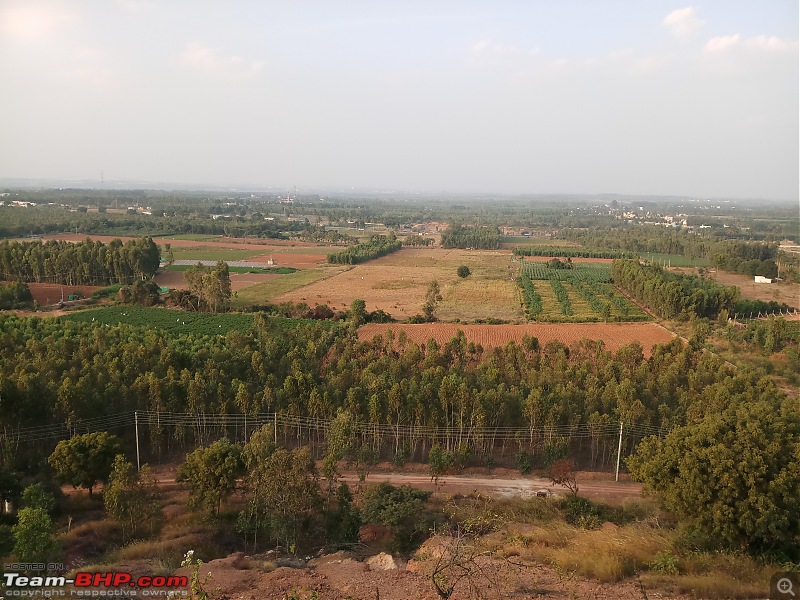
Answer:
[(723, 42), (198, 56), (759, 43), (771, 44), (683, 22)]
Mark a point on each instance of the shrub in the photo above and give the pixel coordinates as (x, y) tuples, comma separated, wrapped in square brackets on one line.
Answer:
[(524, 461), (400, 508)]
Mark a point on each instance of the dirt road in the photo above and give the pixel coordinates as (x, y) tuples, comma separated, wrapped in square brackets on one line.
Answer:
[(526, 487)]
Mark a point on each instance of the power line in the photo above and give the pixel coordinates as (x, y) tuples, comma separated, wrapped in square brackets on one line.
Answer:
[(222, 421)]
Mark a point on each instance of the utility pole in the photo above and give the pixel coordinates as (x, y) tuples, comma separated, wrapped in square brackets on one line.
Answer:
[(619, 450), (136, 424)]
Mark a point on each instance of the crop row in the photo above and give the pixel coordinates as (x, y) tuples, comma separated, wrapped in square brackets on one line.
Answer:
[(589, 272), (593, 298), (530, 297), (562, 296)]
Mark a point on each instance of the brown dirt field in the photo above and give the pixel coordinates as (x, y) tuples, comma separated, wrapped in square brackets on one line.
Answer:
[(613, 335), (176, 280), (242, 280), (781, 292), (50, 293)]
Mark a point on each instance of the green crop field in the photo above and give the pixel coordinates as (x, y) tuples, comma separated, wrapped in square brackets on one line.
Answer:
[(674, 260), (276, 270), (262, 293), (194, 237), (580, 294), (204, 253), (178, 321)]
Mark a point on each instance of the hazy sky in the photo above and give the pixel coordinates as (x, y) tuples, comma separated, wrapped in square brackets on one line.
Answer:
[(624, 96)]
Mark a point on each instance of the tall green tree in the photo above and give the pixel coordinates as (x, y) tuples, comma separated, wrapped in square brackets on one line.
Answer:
[(734, 474), (34, 541), (211, 472), (287, 487), (83, 460), (132, 498)]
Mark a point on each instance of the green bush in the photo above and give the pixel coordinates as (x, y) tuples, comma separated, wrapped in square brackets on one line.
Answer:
[(524, 461), (400, 508)]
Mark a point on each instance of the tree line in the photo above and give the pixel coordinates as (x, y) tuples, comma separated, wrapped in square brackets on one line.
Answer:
[(670, 294), (377, 246), (571, 252), (57, 372), (748, 258), (479, 238), (83, 263)]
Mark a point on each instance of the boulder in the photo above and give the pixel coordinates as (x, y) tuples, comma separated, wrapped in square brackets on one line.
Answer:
[(384, 562)]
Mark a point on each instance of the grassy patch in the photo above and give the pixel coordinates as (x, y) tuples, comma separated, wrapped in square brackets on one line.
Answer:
[(257, 270), (674, 260), (262, 293), (478, 297), (194, 237), (177, 321), (205, 253)]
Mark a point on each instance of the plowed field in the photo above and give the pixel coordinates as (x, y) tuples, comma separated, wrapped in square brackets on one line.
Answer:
[(613, 335)]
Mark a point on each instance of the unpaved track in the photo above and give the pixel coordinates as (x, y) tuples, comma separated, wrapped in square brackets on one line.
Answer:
[(524, 487)]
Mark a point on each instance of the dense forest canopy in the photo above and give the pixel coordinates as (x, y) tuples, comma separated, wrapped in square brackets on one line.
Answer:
[(670, 294), (56, 371), (83, 263)]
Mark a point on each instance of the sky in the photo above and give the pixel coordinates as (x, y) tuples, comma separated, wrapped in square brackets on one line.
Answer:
[(507, 97)]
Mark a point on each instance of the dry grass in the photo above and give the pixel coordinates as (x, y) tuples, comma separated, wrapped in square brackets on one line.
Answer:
[(714, 585), (397, 284), (164, 549), (481, 298), (602, 554)]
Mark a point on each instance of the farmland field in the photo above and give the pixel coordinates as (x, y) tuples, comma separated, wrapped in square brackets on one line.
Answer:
[(674, 260), (613, 335), (766, 292), (580, 294), (178, 321), (206, 253), (283, 288), (397, 284)]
